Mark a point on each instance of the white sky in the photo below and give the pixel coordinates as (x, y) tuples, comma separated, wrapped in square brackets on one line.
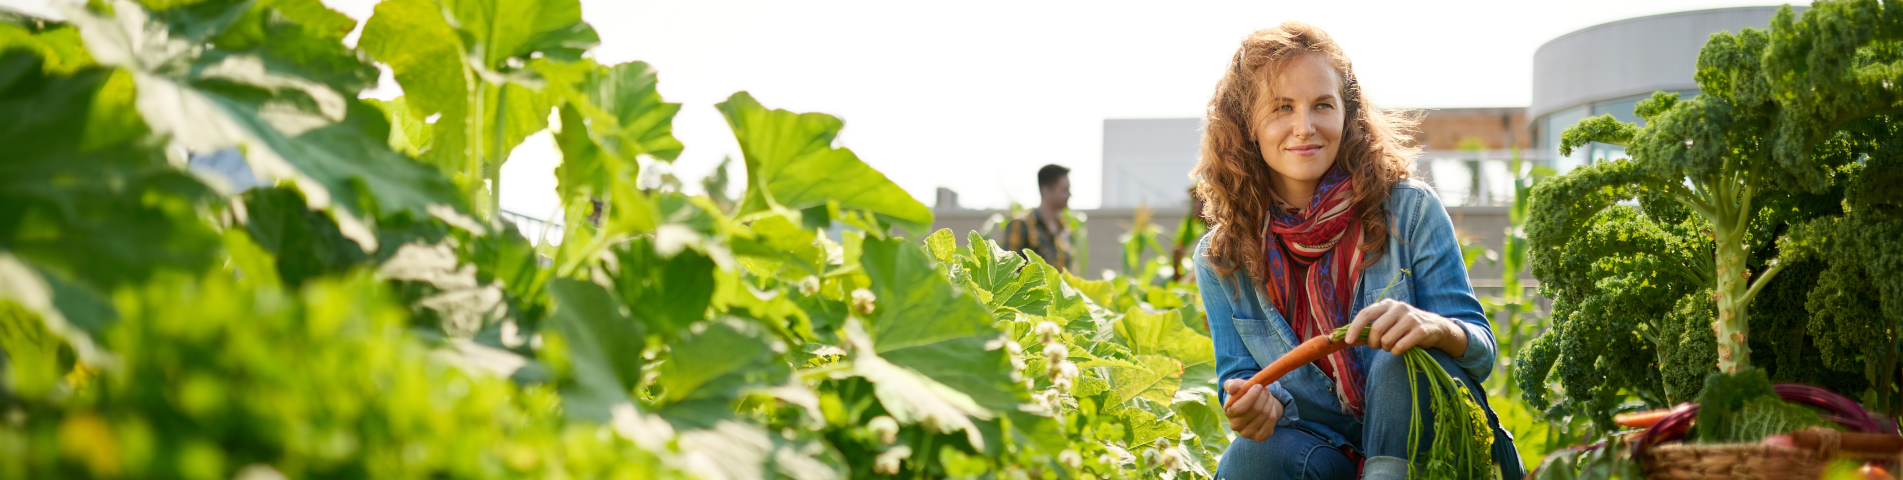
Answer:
[(976, 95)]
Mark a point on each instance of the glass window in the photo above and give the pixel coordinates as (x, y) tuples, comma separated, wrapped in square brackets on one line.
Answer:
[(1550, 130), (1620, 109), (1554, 125)]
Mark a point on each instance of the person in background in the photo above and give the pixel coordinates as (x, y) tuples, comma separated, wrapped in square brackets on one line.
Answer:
[(1043, 229)]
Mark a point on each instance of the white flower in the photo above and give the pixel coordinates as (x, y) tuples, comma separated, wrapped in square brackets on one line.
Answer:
[(1045, 330), (887, 463), (885, 428), (1056, 351), (1070, 458), (809, 285), (1173, 459), (862, 301), (1061, 384)]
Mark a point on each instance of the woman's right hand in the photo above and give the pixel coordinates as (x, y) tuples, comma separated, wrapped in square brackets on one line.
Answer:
[(1254, 412)]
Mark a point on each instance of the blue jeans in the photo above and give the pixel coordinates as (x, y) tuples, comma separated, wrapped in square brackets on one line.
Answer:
[(1311, 450)]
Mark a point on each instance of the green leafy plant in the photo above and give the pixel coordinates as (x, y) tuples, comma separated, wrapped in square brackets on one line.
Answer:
[(1719, 181), (366, 312)]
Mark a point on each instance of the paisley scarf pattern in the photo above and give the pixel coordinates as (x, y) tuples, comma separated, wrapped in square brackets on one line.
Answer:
[(1318, 244)]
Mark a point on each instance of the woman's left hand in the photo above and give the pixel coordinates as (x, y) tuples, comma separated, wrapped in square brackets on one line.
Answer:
[(1395, 326)]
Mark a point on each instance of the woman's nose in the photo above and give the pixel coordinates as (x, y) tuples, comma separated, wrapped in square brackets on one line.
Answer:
[(1304, 125)]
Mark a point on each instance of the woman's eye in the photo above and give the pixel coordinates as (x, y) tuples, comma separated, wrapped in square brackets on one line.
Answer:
[(1285, 108), (1320, 106)]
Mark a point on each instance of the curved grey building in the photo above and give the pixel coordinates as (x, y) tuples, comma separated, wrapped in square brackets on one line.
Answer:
[(1608, 68)]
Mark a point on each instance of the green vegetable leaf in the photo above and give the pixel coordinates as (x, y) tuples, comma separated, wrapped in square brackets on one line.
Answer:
[(791, 165), (1721, 407), (666, 292), (604, 347), (942, 245), (1015, 285), (313, 134), (475, 63), (1157, 381), (922, 323), (707, 371), (911, 396), (82, 191), (305, 244), (500, 30), (1164, 334)]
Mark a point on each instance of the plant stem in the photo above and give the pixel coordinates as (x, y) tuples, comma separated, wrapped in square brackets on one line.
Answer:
[(1733, 288), (493, 172)]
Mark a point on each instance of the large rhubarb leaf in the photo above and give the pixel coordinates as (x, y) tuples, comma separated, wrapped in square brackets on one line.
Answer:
[(792, 165), (1164, 334), (481, 66), (603, 347), (283, 94), (83, 192)]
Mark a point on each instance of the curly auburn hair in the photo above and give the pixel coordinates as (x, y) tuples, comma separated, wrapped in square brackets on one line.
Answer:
[(1232, 177)]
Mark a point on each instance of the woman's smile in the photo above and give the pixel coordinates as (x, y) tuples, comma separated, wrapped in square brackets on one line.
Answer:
[(1305, 150)]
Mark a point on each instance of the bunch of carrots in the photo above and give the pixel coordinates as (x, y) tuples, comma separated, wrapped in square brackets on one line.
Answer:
[(1462, 444)]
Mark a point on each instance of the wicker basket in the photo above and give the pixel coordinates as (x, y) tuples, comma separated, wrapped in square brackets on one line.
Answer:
[(1750, 461)]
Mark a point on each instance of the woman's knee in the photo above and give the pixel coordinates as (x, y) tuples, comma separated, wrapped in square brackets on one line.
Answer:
[(1289, 453)]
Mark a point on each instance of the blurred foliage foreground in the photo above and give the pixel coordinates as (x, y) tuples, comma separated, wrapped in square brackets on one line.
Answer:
[(365, 313)]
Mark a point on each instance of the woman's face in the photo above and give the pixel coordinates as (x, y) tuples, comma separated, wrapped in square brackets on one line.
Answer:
[(1298, 125)]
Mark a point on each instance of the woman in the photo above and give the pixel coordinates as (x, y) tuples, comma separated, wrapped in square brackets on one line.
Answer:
[(1312, 218)]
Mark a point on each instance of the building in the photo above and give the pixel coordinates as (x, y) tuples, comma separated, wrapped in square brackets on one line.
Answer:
[(1608, 68), (1146, 161), (1466, 153)]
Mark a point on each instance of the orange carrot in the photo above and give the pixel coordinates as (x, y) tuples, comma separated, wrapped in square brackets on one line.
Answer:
[(1646, 418), (1306, 353)]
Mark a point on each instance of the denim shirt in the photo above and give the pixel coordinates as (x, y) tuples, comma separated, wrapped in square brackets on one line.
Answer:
[(1249, 332)]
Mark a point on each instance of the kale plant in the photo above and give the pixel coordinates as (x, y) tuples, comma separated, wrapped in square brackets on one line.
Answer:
[(1644, 256)]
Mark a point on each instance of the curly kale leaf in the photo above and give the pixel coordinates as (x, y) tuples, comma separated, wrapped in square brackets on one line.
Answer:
[(1535, 363), (1844, 48), (1602, 350), (1856, 306), (1675, 249), (1687, 350), (1618, 277), (1730, 67), (1844, 305), (1562, 205), (1704, 139), (1602, 129), (1780, 340)]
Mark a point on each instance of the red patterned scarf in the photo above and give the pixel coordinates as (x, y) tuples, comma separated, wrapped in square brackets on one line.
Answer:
[(1322, 241)]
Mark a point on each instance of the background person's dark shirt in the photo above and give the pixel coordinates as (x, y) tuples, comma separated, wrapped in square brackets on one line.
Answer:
[(1029, 232)]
